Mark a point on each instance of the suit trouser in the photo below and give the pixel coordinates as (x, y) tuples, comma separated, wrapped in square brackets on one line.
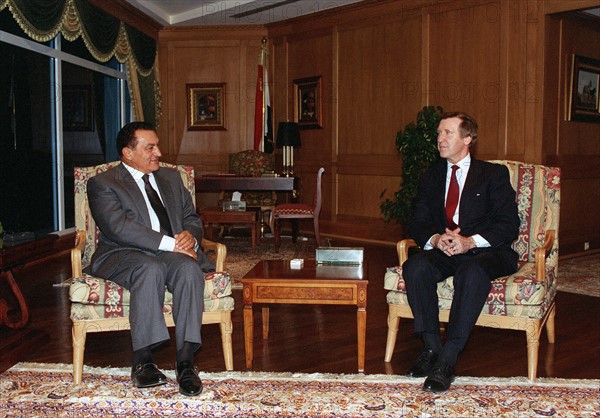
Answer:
[(145, 276), (473, 273)]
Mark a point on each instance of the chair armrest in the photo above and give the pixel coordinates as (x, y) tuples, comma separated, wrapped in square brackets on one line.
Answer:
[(402, 248), (541, 254), (76, 253), (220, 251)]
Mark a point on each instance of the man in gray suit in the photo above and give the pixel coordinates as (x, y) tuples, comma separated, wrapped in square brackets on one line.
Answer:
[(149, 236)]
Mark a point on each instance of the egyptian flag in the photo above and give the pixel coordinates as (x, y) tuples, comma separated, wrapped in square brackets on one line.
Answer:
[(263, 126)]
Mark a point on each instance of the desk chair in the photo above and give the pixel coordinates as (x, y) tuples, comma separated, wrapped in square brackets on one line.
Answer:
[(297, 211)]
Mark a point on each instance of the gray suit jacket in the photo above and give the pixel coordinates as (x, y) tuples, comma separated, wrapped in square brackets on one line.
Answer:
[(119, 209)]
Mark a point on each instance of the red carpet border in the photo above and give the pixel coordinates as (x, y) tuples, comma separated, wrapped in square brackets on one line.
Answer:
[(36, 389)]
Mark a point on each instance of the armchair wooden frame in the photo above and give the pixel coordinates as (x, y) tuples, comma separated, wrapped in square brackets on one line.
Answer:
[(81, 327)]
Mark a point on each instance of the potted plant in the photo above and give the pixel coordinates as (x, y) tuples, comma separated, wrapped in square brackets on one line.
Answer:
[(418, 145)]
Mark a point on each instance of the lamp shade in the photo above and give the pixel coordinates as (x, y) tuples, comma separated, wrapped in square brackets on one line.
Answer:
[(288, 135)]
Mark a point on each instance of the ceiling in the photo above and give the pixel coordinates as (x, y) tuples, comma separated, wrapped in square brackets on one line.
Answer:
[(230, 12)]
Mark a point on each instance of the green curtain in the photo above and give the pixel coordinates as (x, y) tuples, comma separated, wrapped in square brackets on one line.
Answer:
[(105, 37)]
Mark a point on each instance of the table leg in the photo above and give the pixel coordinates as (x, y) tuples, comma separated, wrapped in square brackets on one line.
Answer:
[(361, 323), (254, 232), (265, 322), (248, 335), (209, 231), (4, 308)]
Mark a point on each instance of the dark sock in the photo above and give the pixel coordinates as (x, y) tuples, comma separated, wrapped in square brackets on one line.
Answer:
[(432, 341), (450, 353), (142, 356), (186, 353)]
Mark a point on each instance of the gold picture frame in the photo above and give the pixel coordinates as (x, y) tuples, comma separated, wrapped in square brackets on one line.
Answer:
[(308, 103), (206, 106), (584, 103)]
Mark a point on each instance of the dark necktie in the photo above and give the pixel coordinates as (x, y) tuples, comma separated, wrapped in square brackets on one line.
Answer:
[(159, 209), (452, 198)]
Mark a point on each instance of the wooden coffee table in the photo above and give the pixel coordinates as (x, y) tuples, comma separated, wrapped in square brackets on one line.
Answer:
[(217, 216), (273, 281)]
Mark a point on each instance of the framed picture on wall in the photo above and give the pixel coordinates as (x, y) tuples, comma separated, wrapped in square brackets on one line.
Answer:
[(206, 106), (583, 101), (308, 103), (77, 108)]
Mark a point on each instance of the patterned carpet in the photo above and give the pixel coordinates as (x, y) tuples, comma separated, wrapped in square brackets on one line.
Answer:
[(580, 275), (30, 389)]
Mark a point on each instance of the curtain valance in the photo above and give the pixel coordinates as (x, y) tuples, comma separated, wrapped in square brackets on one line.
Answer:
[(104, 36)]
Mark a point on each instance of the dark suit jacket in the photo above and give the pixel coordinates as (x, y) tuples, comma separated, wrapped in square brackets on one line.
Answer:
[(119, 209), (487, 205)]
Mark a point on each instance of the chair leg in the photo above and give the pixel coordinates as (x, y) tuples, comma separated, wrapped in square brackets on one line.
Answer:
[(277, 233), (226, 340), (550, 324), (532, 332), (78, 335), (295, 230), (393, 323), (317, 234)]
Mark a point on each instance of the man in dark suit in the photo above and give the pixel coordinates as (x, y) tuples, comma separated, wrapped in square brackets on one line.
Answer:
[(149, 236), (465, 219)]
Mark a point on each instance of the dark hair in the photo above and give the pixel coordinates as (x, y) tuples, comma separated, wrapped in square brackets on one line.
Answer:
[(467, 127), (126, 136)]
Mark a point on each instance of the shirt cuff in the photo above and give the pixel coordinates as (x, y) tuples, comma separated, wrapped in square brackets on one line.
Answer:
[(480, 242), (167, 243)]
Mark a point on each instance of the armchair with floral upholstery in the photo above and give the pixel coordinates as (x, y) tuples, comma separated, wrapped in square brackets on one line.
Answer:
[(99, 305), (524, 300)]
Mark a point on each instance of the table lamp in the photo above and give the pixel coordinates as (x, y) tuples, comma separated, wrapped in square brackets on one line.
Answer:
[(288, 137)]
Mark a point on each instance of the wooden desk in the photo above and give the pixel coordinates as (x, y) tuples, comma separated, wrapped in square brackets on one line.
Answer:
[(241, 183), (15, 256), (273, 281), (217, 216)]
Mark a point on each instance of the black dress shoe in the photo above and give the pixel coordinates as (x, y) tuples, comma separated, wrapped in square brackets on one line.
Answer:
[(423, 365), (440, 378), (189, 381), (147, 375)]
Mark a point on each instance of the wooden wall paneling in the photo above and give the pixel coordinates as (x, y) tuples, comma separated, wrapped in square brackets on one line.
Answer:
[(464, 54), (378, 95), (193, 55), (576, 144), (312, 55), (556, 6), (379, 91), (579, 37)]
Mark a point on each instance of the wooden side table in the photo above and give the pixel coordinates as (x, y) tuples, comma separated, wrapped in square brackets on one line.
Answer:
[(215, 215), (15, 256), (273, 281)]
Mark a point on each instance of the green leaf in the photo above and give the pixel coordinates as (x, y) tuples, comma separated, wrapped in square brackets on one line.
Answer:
[(418, 145)]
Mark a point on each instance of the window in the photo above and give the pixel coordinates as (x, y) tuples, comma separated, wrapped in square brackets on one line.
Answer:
[(64, 110)]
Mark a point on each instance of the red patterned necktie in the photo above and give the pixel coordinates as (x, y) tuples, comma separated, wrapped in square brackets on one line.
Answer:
[(452, 198)]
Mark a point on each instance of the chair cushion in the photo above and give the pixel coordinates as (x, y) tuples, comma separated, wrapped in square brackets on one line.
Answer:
[(294, 209), (98, 298), (515, 295)]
